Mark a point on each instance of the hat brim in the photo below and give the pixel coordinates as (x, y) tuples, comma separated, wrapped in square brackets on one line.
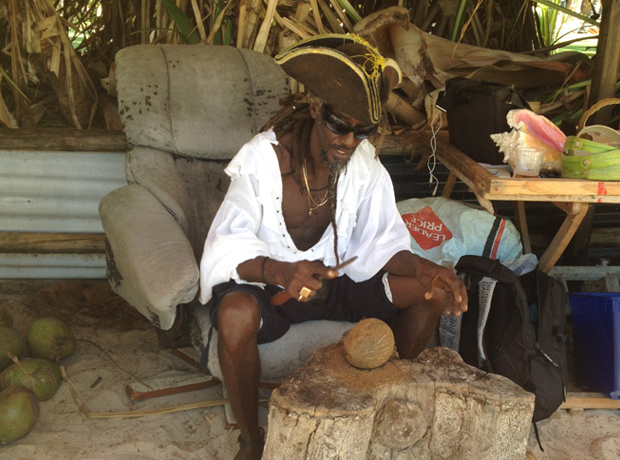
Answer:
[(336, 77)]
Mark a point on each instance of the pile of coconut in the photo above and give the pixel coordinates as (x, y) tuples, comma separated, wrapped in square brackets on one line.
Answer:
[(30, 371)]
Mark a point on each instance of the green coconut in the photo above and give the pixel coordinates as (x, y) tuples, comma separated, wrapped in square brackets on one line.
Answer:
[(40, 376), (50, 338), (10, 341), (6, 320), (19, 411)]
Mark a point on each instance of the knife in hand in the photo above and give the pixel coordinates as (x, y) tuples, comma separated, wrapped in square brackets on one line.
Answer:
[(283, 296)]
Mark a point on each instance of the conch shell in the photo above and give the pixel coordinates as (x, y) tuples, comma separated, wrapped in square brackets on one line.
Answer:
[(531, 131)]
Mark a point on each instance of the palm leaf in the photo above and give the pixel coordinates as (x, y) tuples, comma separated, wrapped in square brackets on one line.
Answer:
[(3, 73), (461, 17), (183, 23), (564, 10), (350, 10)]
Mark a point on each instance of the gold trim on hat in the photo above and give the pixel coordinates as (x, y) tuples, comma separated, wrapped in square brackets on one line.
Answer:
[(370, 81)]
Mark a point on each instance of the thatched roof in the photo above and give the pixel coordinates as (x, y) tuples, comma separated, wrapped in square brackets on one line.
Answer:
[(57, 67)]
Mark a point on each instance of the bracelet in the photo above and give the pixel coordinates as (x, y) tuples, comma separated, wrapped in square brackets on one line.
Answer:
[(262, 269)]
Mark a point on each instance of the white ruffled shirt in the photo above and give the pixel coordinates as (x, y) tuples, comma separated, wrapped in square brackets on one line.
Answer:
[(249, 222)]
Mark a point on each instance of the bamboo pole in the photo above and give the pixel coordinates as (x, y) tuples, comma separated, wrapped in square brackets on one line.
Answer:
[(263, 33), (331, 18), (143, 21), (241, 24), (253, 8), (343, 17), (139, 413), (199, 24), (147, 21), (317, 16), (287, 23), (302, 12)]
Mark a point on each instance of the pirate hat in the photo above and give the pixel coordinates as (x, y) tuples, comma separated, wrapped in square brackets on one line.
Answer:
[(345, 71)]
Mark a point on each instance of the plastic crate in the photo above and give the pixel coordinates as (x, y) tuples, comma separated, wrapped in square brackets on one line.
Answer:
[(596, 334)]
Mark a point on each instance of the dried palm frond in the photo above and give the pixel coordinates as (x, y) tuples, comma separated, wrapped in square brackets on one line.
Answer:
[(252, 14), (5, 116), (43, 39), (263, 33)]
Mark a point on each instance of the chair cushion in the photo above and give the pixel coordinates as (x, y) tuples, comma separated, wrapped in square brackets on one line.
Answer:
[(197, 101), (150, 261), (278, 358)]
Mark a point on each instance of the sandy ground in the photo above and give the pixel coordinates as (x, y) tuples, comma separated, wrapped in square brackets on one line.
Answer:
[(109, 359)]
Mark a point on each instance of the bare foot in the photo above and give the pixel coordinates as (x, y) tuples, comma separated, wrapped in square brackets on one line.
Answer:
[(251, 452)]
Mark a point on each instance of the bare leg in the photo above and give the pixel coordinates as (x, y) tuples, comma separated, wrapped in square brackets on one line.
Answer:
[(238, 324), (418, 318)]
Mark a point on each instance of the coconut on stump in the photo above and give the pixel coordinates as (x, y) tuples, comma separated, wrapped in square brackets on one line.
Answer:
[(369, 344), (433, 407)]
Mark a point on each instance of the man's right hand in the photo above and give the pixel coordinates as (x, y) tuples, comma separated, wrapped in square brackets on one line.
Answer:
[(301, 280)]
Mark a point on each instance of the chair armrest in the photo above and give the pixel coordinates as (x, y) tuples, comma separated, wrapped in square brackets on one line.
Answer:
[(151, 263)]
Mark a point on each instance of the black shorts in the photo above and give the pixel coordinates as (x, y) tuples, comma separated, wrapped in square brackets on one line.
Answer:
[(341, 299)]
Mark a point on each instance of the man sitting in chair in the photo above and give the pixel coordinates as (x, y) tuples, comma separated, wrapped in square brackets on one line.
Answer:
[(306, 195)]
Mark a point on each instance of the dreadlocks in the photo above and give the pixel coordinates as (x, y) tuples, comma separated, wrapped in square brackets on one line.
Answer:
[(295, 117)]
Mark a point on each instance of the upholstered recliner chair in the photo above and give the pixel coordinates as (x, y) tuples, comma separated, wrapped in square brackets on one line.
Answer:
[(186, 110)]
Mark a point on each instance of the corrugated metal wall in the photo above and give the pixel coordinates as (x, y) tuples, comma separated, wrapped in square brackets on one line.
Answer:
[(55, 192), (59, 192)]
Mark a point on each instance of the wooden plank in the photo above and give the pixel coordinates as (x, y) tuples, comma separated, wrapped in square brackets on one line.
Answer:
[(589, 401), (563, 236), (521, 224), (585, 273), (51, 243), (63, 140), (447, 189), (488, 186)]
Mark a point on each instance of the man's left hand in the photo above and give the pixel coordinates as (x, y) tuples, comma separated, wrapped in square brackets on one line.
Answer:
[(430, 277)]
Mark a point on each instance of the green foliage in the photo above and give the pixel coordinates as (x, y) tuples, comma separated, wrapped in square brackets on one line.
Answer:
[(183, 22), (353, 14), (461, 18), (554, 5)]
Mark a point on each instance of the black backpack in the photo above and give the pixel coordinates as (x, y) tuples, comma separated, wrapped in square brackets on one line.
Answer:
[(523, 338)]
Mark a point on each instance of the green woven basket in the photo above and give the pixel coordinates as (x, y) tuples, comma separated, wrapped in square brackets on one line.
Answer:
[(586, 159)]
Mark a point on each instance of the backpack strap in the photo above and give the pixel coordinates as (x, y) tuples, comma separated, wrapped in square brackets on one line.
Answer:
[(486, 286), (495, 235)]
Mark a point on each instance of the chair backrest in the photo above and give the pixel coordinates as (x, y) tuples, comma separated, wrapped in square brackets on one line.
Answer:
[(195, 100), (181, 104)]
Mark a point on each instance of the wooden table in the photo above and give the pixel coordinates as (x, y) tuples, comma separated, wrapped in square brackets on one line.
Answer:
[(571, 195)]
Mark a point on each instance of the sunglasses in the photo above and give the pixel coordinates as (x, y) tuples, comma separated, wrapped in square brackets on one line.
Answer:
[(340, 127)]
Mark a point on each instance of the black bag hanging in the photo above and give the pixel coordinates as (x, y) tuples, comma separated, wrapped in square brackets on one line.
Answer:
[(522, 338), (476, 110)]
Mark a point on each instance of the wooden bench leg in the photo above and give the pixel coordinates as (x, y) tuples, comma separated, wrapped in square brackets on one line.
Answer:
[(447, 190), (521, 224), (575, 214)]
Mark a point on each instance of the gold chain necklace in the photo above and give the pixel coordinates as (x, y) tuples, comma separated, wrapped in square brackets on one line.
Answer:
[(312, 205)]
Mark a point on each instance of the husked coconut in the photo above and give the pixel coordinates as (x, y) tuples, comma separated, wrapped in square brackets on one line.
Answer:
[(40, 376), (11, 341), (50, 338), (369, 344), (19, 411)]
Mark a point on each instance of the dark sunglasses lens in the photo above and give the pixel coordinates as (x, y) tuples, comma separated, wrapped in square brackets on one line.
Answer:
[(337, 126), (364, 132)]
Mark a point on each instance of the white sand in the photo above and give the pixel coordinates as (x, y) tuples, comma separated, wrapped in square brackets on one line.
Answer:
[(118, 359)]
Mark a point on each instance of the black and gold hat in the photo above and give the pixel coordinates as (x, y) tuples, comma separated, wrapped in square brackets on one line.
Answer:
[(345, 71)]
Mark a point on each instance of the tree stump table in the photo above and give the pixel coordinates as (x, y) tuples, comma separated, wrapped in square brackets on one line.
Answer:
[(433, 407)]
